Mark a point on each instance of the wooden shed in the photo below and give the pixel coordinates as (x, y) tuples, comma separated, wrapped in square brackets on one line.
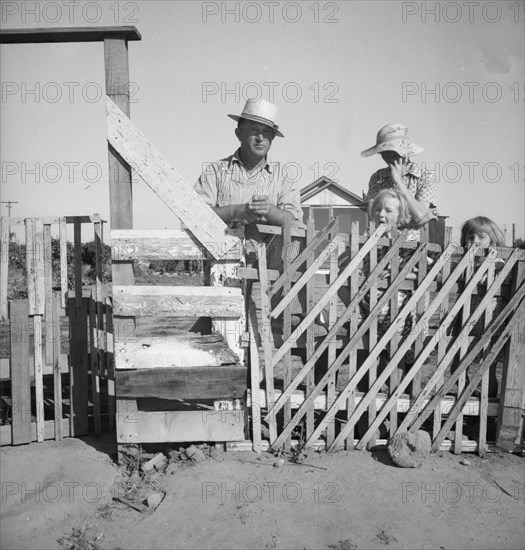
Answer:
[(327, 199)]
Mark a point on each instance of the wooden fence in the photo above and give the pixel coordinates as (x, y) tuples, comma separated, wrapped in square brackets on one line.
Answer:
[(60, 341), (463, 316)]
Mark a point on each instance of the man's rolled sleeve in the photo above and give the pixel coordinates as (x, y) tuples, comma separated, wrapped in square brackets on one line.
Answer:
[(290, 199), (206, 185)]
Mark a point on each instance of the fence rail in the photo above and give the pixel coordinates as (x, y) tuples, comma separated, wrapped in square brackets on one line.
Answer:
[(60, 366)]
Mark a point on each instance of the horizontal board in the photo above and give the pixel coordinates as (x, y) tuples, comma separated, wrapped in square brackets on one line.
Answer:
[(177, 301), (170, 351), (447, 445), (155, 244), (179, 426), (183, 383), (403, 403)]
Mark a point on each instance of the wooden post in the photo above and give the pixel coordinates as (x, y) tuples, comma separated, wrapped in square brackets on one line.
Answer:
[(512, 401), (120, 178), (120, 189)]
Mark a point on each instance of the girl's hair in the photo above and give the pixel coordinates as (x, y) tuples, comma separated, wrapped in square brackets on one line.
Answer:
[(404, 214), (481, 224)]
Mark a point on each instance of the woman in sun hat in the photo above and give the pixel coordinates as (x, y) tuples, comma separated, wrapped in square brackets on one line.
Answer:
[(417, 186)]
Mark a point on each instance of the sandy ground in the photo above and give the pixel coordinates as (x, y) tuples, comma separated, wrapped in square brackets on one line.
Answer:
[(350, 500)]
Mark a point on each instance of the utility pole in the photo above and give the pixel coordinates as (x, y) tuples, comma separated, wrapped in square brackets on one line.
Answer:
[(9, 203)]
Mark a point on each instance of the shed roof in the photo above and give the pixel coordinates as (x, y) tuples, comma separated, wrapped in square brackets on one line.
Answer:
[(324, 183)]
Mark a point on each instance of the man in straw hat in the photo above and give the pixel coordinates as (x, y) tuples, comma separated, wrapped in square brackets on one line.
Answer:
[(246, 188), (417, 186)]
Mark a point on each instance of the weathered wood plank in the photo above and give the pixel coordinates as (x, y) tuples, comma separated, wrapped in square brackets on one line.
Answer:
[(255, 375), (39, 381), (178, 426), (168, 184), (172, 351), (62, 235), (185, 383), (177, 301), (57, 370), (20, 373), (155, 244), (30, 264), (48, 290)]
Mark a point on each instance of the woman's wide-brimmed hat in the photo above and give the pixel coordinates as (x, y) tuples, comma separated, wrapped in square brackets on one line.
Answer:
[(260, 110), (393, 137)]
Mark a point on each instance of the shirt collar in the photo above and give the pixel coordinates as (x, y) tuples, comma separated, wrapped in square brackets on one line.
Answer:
[(235, 158)]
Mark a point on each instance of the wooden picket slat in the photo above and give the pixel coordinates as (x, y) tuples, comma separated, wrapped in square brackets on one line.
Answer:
[(310, 335), (20, 372), (95, 378), (287, 324), (255, 378), (4, 266), (352, 329), (62, 235), (78, 371), (267, 339)]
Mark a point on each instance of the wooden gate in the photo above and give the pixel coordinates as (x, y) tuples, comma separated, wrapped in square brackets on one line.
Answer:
[(460, 308)]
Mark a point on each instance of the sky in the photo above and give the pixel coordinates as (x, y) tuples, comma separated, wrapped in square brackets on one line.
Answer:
[(453, 72)]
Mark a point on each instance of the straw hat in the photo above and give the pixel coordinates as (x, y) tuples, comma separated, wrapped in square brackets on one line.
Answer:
[(393, 137), (260, 110)]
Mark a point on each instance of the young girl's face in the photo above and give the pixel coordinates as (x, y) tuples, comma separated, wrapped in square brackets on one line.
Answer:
[(387, 212), (480, 238)]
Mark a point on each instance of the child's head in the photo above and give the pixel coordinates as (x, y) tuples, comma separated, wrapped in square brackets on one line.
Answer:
[(482, 231), (390, 208)]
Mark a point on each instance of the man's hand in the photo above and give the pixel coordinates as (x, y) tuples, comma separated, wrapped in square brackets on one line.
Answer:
[(260, 205)]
